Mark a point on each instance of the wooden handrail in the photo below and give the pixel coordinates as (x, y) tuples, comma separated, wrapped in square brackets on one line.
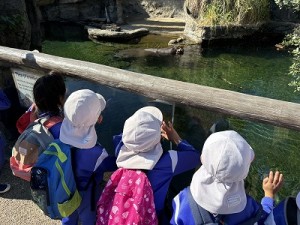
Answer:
[(275, 112)]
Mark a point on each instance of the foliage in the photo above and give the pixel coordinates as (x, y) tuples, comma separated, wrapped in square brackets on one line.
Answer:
[(294, 4), (293, 40), (11, 22), (227, 12)]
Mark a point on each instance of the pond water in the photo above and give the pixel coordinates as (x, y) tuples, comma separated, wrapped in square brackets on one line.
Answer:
[(260, 71)]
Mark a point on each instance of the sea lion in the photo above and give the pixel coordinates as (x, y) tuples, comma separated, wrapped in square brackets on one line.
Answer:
[(167, 51)]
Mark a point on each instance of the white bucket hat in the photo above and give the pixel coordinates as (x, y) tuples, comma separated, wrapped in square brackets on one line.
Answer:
[(82, 110), (141, 138), (218, 185)]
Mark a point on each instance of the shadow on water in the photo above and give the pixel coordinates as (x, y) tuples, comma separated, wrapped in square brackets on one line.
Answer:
[(260, 71)]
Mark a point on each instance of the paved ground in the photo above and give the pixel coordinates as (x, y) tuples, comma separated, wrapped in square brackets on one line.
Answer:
[(16, 206)]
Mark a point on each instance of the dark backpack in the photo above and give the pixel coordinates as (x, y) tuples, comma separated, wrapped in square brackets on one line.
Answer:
[(287, 212), (202, 216)]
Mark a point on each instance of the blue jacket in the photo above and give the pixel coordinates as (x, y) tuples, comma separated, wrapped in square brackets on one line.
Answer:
[(55, 130), (182, 214), (85, 162), (171, 163)]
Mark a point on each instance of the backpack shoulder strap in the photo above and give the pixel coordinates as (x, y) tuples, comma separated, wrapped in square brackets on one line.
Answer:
[(256, 218), (48, 123), (200, 215)]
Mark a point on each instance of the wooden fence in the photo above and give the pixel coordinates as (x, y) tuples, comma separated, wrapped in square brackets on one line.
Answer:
[(275, 112)]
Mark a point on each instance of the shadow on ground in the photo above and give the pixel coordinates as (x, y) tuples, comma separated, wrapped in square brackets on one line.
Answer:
[(20, 189)]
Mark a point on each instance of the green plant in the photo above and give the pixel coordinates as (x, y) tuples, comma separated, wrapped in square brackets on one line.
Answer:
[(293, 40), (294, 4), (230, 12)]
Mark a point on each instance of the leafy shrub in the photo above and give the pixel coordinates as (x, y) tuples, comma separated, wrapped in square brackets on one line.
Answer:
[(229, 12), (293, 40), (294, 4)]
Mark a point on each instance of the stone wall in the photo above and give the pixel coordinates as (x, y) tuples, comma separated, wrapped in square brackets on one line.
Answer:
[(15, 28), (73, 10), (154, 8)]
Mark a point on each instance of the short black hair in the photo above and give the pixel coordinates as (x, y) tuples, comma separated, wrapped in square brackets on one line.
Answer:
[(48, 91)]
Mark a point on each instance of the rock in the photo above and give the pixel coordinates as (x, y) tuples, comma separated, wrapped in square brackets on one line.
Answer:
[(44, 2), (69, 1), (118, 36), (279, 47), (172, 42), (176, 41), (180, 39), (111, 27)]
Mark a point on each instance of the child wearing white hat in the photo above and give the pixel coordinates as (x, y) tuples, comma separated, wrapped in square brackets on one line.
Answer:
[(139, 147), (217, 189), (82, 110)]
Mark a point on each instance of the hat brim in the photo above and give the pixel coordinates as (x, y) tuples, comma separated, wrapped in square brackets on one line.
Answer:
[(79, 137), (139, 160), (215, 196), (102, 102)]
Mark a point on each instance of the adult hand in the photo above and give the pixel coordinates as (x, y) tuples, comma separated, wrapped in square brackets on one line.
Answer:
[(272, 184)]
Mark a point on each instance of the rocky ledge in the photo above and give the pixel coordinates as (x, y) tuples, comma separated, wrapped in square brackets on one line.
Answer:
[(116, 34)]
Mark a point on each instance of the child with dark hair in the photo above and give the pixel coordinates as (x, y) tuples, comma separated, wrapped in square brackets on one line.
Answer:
[(49, 97), (49, 94), (46, 115)]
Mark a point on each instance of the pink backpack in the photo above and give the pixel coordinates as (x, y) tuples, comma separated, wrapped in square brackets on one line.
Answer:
[(127, 199)]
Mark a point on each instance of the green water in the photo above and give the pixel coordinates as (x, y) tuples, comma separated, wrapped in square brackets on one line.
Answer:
[(252, 70)]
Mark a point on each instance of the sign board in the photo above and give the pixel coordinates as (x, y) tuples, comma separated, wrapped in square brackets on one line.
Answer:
[(24, 81)]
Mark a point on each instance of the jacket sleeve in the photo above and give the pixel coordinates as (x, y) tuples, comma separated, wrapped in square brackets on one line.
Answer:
[(182, 213), (117, 143), (185, 158), (267, 216)]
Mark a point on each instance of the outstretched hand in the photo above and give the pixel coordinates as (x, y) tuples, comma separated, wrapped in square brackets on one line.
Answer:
[(169, 133), (272, 183)]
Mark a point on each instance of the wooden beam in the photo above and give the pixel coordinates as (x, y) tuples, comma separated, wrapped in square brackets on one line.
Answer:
[(275, 112)]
